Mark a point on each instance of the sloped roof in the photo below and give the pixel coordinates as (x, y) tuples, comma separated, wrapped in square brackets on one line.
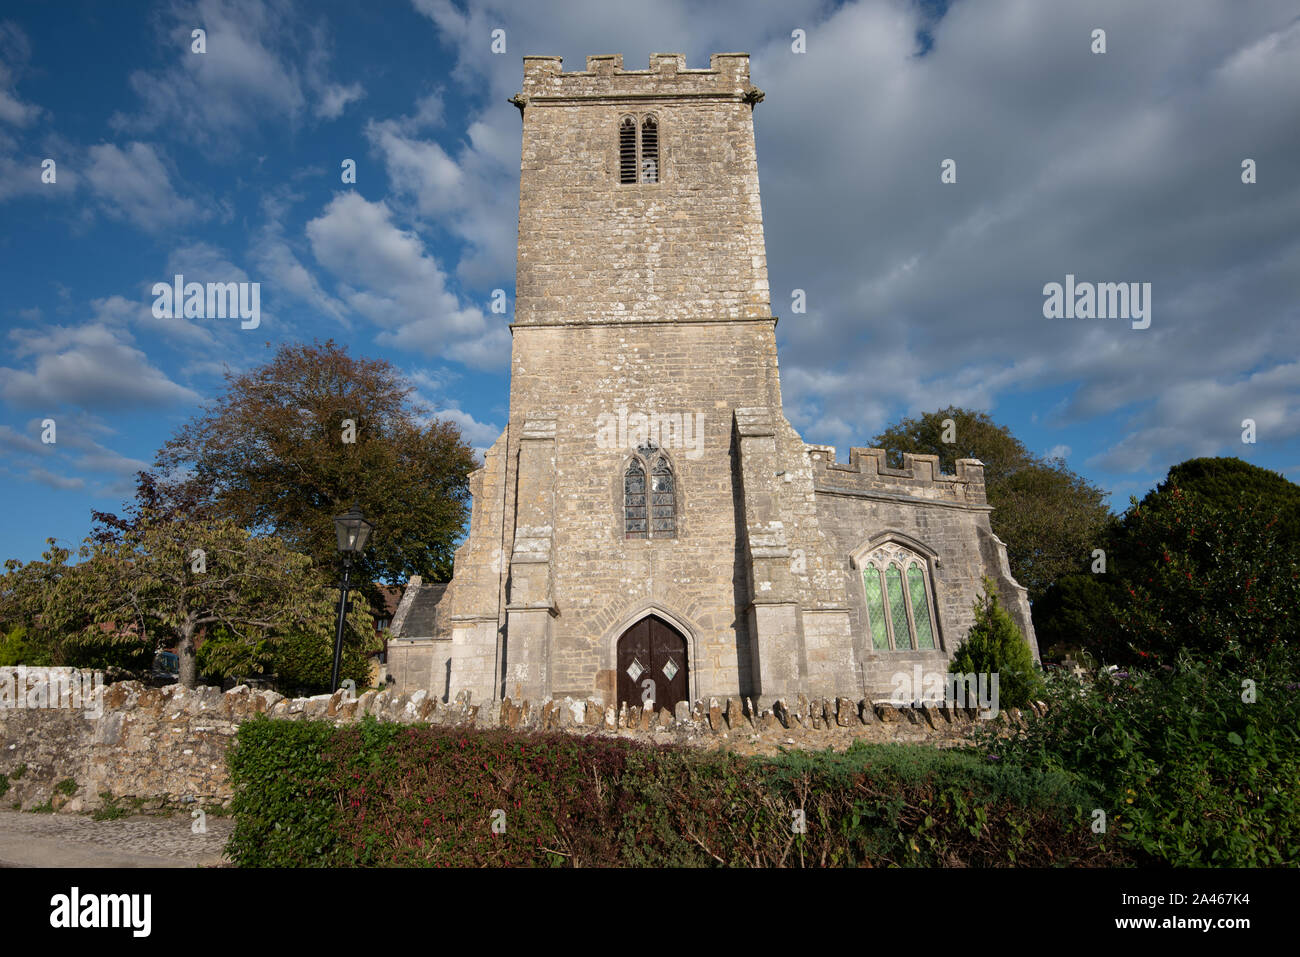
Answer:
[(424, 617)]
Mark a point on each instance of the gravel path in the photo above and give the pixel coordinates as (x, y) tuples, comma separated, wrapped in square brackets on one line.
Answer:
[(71, 840)]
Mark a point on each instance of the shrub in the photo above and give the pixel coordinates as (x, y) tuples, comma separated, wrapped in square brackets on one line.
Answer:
[(17, 649), (304, 662), (994, 645), (284, 799), (375, 794), (1188, 773), (4, 784), (67, 787), (301, 662)]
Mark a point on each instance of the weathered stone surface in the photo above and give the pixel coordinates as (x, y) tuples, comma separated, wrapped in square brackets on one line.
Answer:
[(735, 715), (781, 712), (315, 707), (167, 746), (652, 298), (846, 712)]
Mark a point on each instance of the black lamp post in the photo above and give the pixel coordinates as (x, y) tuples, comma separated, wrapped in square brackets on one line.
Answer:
[(353, 532)]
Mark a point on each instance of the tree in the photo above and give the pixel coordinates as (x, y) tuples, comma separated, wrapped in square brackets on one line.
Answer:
[(295, 442), (172, 579), (1050, 518), (43, 600), (1210, 567), (1217, 580), (301, 661), (1226, 482), (994, 645)]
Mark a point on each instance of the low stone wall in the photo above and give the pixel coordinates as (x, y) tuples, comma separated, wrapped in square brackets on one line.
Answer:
[(166, 747)]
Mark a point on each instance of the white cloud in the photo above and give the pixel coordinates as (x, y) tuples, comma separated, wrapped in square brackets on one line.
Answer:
[(60, 482), (118, 311), (335, 98), (385, 274), (480, 435), (86, 367), (134, 184), (1058, 452), (15, 51), (248, 75)]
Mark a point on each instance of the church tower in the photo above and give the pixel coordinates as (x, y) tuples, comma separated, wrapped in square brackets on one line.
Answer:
[(649, 527)]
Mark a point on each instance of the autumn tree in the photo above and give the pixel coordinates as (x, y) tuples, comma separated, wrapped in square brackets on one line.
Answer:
[(292, 443), (1049, 517)]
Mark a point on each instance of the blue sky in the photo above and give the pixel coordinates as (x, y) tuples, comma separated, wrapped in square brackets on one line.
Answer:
[(225, 166)]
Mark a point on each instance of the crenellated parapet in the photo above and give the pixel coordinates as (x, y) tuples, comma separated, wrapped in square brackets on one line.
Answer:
[(866, 473), (727, 75)]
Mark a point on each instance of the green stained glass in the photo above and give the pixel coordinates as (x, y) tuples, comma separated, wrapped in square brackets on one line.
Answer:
[(920, 607), (875, 608), (897, 610)]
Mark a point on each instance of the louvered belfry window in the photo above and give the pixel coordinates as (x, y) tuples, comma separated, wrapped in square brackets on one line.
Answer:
[(649, 495), (649, 150), (638, 156), (627, 150)]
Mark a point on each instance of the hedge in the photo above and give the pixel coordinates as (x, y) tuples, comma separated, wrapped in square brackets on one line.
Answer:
[(311, 794)]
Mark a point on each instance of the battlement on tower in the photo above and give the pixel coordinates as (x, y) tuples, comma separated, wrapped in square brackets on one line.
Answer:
[(727, 75), (866, 472)]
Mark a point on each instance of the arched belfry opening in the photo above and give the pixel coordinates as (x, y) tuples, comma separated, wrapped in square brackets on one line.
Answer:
[(652, 665)]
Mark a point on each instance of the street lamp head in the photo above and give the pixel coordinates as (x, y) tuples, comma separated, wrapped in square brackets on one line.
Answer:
[(353, 531)]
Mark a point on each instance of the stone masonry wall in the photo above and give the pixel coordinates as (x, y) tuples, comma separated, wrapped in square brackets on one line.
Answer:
[(594, 249), (167, 746)]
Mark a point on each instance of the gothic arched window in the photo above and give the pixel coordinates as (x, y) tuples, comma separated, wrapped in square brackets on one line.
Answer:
[(649, 150), (649, 512), (900, 604), (627, 150), (638, 155)]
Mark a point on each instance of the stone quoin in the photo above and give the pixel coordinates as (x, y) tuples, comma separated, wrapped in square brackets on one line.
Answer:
[(751, 565)]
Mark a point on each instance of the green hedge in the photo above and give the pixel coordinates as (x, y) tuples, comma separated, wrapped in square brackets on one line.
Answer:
[(310, 794)]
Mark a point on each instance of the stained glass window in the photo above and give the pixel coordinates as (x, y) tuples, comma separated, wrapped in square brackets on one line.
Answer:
[(649, 511), (899, 604), (920, 607), (875, 607), (663, 520), (634, 508)]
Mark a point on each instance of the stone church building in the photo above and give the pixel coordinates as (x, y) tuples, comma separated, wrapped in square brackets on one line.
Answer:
[(650, 526)]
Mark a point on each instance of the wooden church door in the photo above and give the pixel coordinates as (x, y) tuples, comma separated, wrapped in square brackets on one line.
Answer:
[(652, 665)]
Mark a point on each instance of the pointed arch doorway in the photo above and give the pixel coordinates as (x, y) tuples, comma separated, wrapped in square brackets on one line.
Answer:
[(652, 665)]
